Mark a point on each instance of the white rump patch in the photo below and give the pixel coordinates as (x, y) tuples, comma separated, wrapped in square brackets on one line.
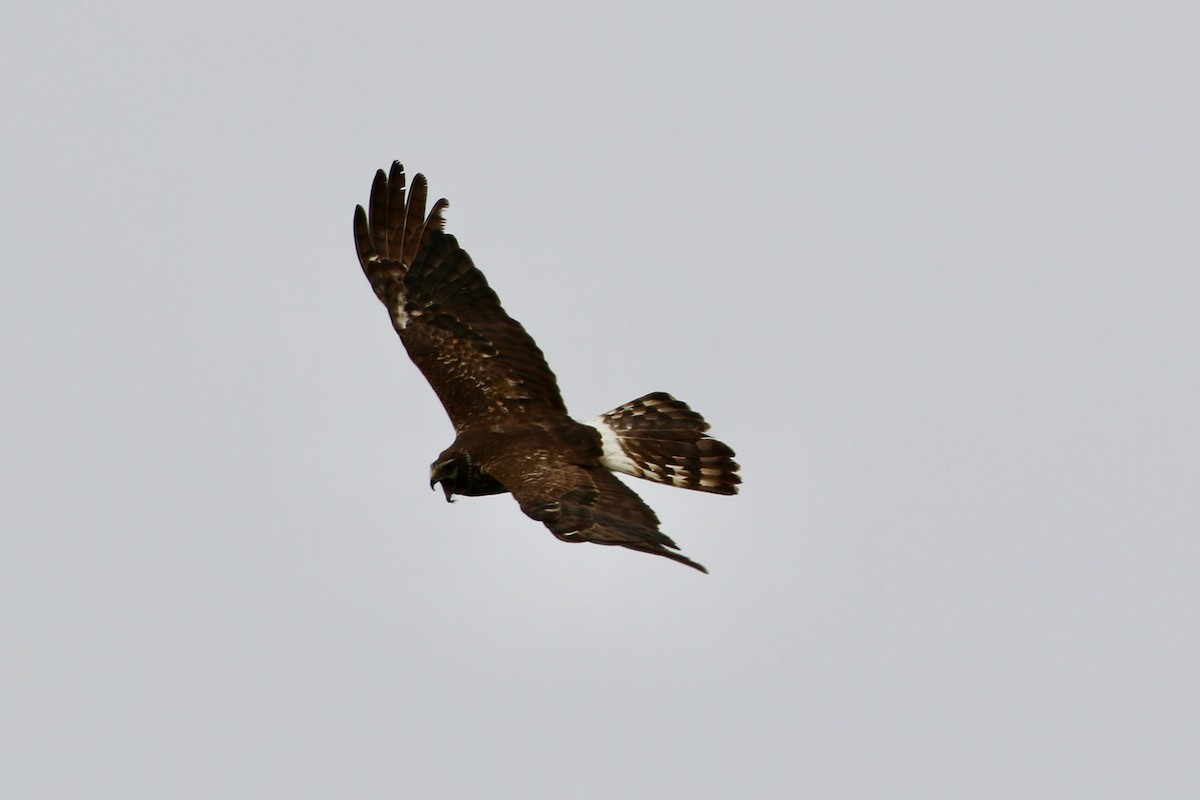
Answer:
[(614, 456)]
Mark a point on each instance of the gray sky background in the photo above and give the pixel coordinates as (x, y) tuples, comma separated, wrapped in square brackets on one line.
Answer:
[(931, 268)]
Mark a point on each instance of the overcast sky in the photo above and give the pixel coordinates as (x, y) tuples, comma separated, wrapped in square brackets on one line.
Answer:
[(930, 268)]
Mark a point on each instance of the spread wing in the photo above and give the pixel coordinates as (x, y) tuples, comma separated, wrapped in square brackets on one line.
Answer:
[(582, 504), (480, 361)]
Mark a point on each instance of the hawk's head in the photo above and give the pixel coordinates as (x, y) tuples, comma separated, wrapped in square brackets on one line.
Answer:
[(457, 475), (446, 471)]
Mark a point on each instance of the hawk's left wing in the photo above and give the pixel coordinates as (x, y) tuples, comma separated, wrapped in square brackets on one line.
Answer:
[(480, 361)]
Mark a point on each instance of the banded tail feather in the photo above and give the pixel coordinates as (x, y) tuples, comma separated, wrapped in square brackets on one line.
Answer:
[(661, 439)]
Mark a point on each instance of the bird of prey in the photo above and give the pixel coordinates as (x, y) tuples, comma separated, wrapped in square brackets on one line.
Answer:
[(513, 433)]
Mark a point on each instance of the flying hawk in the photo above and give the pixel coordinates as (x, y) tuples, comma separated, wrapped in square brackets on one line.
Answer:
[(513, 431)]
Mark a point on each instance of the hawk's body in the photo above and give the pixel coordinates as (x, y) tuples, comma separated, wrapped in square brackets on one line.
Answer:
[(513, 431)]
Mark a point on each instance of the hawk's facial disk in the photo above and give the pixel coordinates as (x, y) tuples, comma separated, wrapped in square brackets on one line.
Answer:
[(445, 473)]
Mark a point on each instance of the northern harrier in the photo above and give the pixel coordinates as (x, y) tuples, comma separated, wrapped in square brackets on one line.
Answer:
[(513, 431)]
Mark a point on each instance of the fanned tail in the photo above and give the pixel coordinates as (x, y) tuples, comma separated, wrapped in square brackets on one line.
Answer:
[(661, 439)]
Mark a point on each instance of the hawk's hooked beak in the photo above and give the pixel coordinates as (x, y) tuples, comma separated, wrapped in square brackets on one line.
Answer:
[(447, 481)]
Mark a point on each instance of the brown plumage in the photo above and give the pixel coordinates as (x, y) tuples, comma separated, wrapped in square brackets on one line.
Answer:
[(513, 431)]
